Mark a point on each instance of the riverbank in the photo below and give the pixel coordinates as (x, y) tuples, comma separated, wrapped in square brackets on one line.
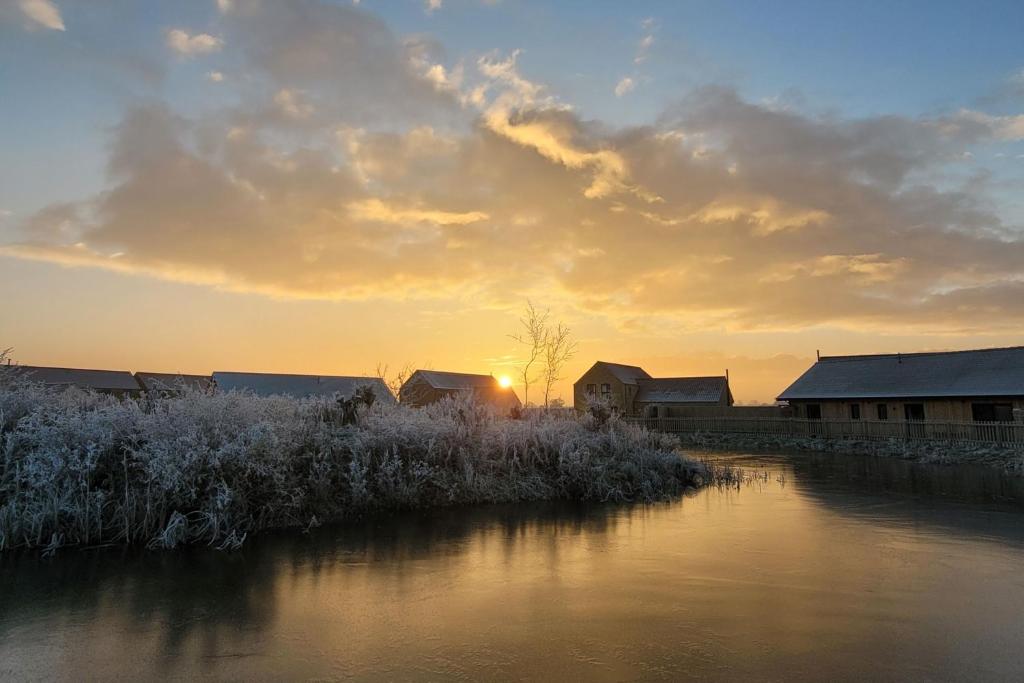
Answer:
[(1009, 459), (80, 468)]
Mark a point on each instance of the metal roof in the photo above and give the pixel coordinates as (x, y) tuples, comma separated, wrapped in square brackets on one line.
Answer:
[(982, 372), (171, 381), (628, 374), (457, 380), (681, 389), (100, 380), (299, 386)]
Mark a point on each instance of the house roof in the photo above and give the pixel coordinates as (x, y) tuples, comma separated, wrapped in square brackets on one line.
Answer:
[(269, 384), (681, 389), (100, 380), (983, 372), (157, 381), (627, 374), (457, 380)]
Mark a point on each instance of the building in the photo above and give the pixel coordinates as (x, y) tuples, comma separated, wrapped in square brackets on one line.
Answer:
[(171, 382), (985, 385), (429, 386), (116, 382), (300, 386), (632, 391)]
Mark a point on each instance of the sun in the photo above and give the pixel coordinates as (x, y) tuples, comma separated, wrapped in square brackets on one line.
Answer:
[(505, 381)]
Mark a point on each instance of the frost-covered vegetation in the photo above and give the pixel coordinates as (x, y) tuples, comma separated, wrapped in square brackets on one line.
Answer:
[(1009, 458), (84, 468)]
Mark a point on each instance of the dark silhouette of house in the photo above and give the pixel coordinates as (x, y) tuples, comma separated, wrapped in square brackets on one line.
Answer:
[(429, 386)]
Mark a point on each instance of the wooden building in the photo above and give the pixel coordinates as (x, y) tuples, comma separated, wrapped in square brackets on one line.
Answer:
[(300, 386), (116, 382), (632, 391), (985, 385), (429, 386)]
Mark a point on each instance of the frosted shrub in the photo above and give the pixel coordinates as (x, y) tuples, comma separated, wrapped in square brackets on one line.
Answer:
[(82, 468)]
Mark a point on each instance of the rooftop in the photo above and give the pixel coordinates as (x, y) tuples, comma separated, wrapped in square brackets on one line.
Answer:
[(269, 384), (945, 374), (681, 389), (100, 380)]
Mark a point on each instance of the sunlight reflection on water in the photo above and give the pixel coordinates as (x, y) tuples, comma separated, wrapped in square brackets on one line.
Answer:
[(825, 567)]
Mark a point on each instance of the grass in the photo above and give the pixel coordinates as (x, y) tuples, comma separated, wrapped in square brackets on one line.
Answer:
[(81, 468)]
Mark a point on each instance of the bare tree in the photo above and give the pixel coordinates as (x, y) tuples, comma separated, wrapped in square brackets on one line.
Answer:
[(559, 348), (534, 338), (395, 381)]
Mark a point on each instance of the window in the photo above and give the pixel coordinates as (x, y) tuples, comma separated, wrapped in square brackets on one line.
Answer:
[(591, 390), (813, 411), (992, 412), (854, 411), (883, 411), (913, 412), (606, 390)]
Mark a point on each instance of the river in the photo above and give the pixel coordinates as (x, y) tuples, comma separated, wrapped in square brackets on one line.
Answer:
[(818, 567)]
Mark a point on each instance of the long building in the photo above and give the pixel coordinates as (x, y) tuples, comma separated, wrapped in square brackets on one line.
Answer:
[(985, 385), (117, 382), (300, 386)]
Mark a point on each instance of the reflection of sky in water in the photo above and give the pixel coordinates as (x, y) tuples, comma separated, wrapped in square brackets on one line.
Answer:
[(826, 566)]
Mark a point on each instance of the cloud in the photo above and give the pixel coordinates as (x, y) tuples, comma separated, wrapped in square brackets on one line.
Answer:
[(354, 176), (187, 45), (378, 210), (643, 48), (291, 104), (343, 58), (215, 76), (42, 12), (624, 86), (432, 5)]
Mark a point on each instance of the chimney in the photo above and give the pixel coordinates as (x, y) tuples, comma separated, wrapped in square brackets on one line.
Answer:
[(817, 352)]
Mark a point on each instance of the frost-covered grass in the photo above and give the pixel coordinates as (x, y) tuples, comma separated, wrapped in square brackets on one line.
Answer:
[(83, 468)]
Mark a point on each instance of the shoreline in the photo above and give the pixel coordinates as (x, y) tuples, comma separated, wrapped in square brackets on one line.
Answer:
[(1009, 460)]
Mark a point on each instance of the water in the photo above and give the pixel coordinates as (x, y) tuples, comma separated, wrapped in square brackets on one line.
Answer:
[(823, 568)]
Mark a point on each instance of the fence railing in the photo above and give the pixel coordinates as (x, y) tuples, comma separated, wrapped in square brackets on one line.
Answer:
[(951, 432)]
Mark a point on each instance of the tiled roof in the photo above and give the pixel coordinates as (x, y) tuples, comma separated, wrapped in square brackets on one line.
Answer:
[(100, 380), (627, 374), (457, 380), (269, 384), (984, 372), (681, 389)]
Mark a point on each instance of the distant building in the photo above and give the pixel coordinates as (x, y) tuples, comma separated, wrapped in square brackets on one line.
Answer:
[(170, 382), (117, 382), (300, 386), (428, 386), (632, 391), (985, 385)]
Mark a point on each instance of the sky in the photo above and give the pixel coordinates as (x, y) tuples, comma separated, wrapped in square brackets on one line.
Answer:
[(324, 186)]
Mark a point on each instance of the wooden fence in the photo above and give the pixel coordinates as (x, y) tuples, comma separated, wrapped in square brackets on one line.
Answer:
[(1006, 433)]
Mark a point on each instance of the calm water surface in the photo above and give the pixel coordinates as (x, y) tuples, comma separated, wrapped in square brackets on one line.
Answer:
[(823, 568)]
